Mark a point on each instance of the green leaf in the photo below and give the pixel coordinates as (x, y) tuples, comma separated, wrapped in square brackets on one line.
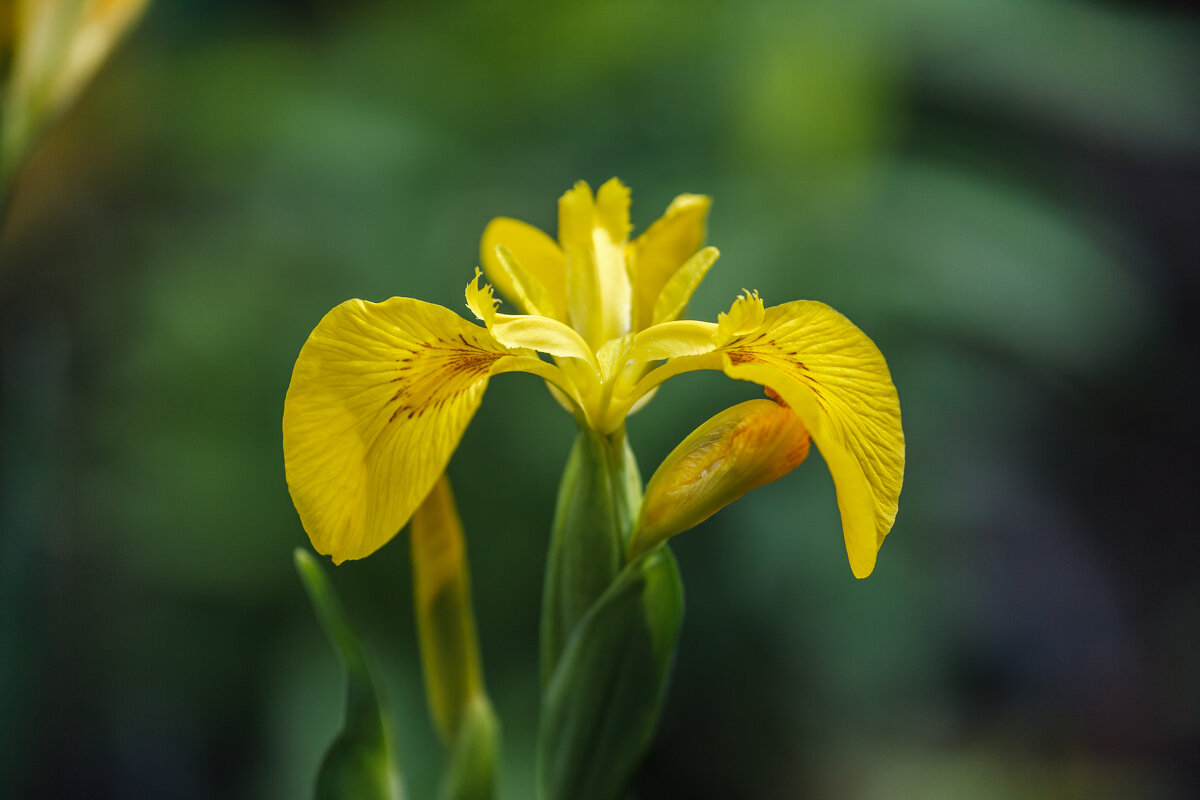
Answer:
[(471, 774), (601, 707), (359, 764), (598, 500)]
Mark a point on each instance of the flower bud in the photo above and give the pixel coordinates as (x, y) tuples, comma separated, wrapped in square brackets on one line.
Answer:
[(742, 448), (445, 621)]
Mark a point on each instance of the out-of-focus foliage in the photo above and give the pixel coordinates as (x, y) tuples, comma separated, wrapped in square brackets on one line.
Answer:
[(49, 50), (999, 192)]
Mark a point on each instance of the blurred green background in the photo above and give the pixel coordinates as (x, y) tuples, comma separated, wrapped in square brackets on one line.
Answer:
[(1002, 193)]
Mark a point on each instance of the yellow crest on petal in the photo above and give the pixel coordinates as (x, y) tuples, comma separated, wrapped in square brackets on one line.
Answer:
[(746, 314)]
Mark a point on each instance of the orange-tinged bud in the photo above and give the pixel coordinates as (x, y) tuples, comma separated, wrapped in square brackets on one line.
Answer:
[(742, 448)]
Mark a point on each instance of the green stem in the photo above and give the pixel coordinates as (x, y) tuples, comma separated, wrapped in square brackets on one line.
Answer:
[(598, 501), (601, 707)]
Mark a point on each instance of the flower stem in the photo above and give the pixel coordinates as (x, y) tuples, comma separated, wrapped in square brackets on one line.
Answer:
[(598, 501)]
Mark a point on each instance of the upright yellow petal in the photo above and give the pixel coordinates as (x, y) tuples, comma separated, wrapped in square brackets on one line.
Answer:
[(593, 232), (530, 294), (378, 401), (836, 380), (673, 298), (575, 216), (663, 248), (612, 212), (535, 252)]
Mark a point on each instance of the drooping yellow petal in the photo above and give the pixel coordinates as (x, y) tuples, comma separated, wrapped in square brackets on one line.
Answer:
[(445, 621), (536, 253), (379, 398), (663, 248), (834, 377), (742, 448)]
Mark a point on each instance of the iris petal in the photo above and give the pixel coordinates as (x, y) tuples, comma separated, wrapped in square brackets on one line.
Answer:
[(535, 252), (660, 251), (527, 331), (379, 399), (834, 377), (593, 231), (678, 290)]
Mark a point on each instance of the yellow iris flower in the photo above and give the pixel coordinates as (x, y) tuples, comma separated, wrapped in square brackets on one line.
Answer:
[(382, 392)]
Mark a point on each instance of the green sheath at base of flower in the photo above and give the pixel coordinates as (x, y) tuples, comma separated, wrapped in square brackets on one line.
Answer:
[(359, 764), (471, 773), (601, 706), (598, 500)]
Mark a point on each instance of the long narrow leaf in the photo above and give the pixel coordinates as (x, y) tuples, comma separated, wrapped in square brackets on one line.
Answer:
[(359, 764)]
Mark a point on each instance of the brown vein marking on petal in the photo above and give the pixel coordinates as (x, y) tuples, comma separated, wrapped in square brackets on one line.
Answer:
[(436, 374), (743, 357), (781, 359)]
